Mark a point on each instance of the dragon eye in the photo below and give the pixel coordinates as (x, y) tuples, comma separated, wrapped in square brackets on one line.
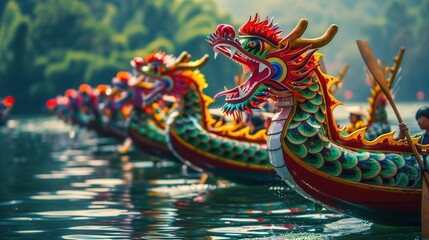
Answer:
[(253, 45)]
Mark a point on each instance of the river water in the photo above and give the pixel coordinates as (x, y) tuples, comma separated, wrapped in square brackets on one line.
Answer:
[(63, 182)]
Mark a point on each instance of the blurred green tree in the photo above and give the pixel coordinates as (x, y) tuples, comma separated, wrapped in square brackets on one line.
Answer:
[(403, 24), (64, 24), (15, 55), (171, 26), (49, 46), (418, 54), (66, 39)]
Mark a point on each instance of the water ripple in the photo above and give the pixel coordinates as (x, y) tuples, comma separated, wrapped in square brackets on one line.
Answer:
[(85, 213), (69, 184), (265, 229), (99, 228), (90, 237)]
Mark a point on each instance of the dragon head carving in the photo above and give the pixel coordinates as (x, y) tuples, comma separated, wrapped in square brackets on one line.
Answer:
[(163, 74), (272, 64)]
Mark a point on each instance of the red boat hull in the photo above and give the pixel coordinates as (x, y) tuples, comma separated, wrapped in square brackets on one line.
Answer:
[(379, 204)]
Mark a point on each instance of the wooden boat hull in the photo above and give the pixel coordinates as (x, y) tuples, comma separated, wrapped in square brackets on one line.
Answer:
[(379, 204), (220, 166), (388, 205)]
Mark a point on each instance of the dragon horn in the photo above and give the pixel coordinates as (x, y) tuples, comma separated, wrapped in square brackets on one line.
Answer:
[(296, 32), (315, 42), (183, 57), (194, 64)]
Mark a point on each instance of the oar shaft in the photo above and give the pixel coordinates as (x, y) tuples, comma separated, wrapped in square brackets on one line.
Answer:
[(379, 78), (410, 141), (372, 64)]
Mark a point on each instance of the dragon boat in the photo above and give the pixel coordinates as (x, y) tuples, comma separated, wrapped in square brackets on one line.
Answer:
[(91, 107), (85, 112), (71, 107), (147, 121), (147, 129), (59, 107), (6, 105), (117, 109), (81, 107), (221, 149), (377, 180), (99, 99)]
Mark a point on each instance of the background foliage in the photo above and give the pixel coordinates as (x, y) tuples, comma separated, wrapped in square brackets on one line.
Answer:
[(48, 46)]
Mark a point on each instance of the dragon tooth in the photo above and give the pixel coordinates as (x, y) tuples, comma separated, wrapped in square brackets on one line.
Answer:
[(232, 50), (262, 67), (216, 52), (225, 88), (240, 92)]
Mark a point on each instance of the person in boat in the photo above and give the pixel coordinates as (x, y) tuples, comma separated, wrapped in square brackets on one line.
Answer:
[(89, 99), (379, 124), (422, 118), (356, 117)]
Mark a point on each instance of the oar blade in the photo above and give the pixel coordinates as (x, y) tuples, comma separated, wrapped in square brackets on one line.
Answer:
[(372, 64), (373, 67)]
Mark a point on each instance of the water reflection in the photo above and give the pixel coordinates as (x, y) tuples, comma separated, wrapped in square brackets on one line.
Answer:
[(62, 182)]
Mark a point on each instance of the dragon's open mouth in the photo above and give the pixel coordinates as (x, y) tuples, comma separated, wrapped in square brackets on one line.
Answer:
[(260, 69), (152, 89)]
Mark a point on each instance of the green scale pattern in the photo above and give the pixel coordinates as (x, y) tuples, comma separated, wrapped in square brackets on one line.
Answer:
[(306, 137), (188, 127), (143, 123)]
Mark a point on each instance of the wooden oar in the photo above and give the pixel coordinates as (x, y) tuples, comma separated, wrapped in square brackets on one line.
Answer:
[(373, 67)]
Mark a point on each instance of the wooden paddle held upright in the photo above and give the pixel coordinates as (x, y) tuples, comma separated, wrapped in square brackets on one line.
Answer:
[(373, 67)]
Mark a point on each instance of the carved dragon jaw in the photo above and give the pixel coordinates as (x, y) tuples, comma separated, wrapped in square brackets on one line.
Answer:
[(153, 89), (251, 92), (152, 80), (276, 64), (138, 93)]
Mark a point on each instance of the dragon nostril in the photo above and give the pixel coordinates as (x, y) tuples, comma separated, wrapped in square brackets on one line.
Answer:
[(225, 30)]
